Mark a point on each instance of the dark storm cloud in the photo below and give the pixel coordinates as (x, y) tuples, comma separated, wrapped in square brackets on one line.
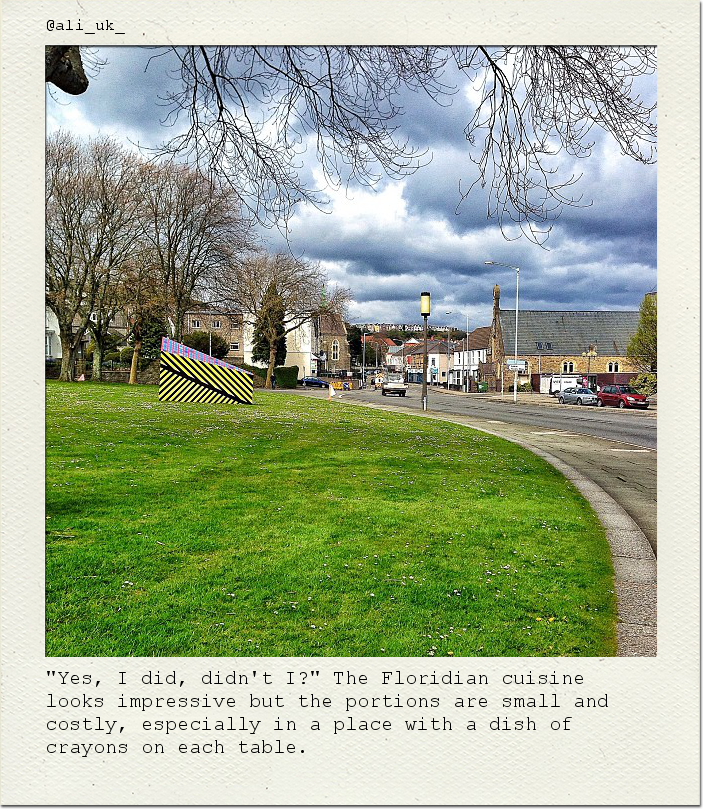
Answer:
[(390, 243)]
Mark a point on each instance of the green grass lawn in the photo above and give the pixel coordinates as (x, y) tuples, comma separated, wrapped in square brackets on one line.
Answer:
[(298, 526)]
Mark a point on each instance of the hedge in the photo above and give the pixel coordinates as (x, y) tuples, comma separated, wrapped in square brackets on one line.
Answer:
[(286, 376)]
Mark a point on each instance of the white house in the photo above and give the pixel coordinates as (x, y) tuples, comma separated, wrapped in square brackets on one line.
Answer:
[(466, 362)]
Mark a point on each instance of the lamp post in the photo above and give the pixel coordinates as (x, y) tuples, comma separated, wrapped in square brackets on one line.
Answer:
[(425, 312), (466, 369), (517, 298), (592, 352), (449, 339), (364, 335)]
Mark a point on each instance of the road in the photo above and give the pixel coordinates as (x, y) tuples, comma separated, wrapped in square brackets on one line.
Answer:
[(636, 428), (615, 449)]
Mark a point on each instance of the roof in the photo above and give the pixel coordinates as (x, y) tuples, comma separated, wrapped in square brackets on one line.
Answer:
[(568, 333), (377, 338), (480, 338), (433, 347)]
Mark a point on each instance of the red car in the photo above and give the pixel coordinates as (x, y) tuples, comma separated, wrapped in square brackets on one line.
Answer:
[(621, 396)]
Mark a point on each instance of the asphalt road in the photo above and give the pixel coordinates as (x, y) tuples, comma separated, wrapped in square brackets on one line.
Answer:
[(636, 428), (615, 449)]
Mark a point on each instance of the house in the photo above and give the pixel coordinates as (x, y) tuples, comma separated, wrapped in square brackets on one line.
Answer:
[(590, 344), (228, 325), (468, 359), (377, 348), (317, 346), (439, 355), (52, 335)]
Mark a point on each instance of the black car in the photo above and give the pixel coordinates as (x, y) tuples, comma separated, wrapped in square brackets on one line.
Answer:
[(313, 382)]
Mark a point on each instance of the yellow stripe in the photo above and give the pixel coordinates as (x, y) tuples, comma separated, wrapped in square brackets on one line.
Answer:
[(229, 383)]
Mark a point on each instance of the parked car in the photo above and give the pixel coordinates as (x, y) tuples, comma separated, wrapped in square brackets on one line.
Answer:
[(313, 382), (562, 393), (622, 396), (579, 396)]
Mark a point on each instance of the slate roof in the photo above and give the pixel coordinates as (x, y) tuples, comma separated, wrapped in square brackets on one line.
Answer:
[(568, 333)]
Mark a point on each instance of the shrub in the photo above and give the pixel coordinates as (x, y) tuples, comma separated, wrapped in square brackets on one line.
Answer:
[(126, 354), (526, 388), (286, 376), (260, 373), (645, 383), (112, 356)]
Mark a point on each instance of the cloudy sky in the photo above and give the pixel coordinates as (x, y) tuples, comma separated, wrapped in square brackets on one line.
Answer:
[(389, 243)]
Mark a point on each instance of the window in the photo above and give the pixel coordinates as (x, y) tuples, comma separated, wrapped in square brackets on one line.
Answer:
[(567, 368), (47, 345), (195, 324), (234, 346), (548, 346), (540, 346), (335, 350), (216, 324), (613, 367)]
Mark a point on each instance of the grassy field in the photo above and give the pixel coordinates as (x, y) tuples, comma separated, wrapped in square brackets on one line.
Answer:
[(298, 526)]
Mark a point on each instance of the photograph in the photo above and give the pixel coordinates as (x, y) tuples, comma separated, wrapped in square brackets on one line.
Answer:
[(350, 351)]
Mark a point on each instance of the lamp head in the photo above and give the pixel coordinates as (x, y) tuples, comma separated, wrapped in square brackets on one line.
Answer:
[(425, 303)]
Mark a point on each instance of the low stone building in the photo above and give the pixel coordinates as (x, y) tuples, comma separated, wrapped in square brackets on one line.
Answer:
[(590, 344)]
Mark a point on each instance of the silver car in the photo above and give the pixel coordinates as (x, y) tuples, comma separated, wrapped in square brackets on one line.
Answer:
[(580, 396)]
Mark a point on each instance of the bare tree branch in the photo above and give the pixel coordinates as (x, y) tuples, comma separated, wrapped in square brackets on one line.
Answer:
[(252, 112)]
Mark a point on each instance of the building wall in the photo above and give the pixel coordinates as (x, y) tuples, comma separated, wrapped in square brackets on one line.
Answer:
[(228, 326), (549, 364)]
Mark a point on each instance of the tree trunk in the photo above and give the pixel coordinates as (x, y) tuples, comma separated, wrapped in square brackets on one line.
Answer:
[(135, 361), (272, 363), (97, 360), (68, 359), (179, 317)]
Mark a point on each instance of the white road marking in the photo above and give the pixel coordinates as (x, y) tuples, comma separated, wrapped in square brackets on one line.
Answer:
[(555, 432), (630, 450), (492, 421)]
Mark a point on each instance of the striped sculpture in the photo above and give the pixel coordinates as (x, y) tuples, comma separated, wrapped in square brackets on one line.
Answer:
[(187, 375)]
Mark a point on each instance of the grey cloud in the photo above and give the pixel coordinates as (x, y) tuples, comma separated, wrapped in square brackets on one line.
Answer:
[(600, 257)]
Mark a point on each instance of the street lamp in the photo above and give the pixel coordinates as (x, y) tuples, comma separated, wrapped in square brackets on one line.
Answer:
[(467, 367), (364, 335), (592, 352), (425, 312), (449, 339), (517, 297)]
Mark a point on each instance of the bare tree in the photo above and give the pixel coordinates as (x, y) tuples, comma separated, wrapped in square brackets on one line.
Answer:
[(143, 297), (250, 113), (92, 222), (300, 287), (194, 229)]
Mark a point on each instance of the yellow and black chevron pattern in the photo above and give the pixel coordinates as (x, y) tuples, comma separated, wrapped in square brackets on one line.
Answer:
[(182, 379)]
